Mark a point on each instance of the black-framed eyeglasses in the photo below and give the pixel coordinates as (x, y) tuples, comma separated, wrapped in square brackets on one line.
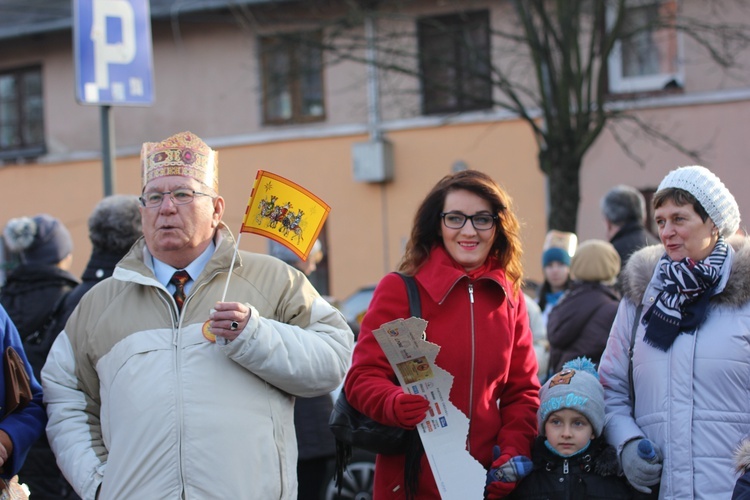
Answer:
[(153, 199), (457, 220)]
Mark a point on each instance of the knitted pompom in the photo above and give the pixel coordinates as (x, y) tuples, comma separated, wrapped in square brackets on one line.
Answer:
[(19, 233), (583, 364)]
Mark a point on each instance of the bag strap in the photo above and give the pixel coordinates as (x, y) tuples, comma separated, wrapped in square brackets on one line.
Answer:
[(50, 320), (630, 354), (414, 449), (415, 305)]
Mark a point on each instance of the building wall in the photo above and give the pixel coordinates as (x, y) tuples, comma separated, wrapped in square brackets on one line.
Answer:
[(207, 80), (715, 130), (369, 224)]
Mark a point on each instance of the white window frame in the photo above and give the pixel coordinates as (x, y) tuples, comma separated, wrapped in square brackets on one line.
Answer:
[(618, 83)]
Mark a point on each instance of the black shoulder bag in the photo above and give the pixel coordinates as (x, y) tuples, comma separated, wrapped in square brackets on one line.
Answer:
[(354, 429)]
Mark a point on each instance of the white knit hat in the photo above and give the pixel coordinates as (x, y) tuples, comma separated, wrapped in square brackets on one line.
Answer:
[(710, 192)]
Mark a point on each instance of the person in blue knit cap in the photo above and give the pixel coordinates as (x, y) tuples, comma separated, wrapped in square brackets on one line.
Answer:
[(570, 459), (556, 268)]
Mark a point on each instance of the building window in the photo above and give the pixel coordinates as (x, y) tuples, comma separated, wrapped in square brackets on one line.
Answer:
[(454, 60), (21, 113), (648, 57), (292, 78)]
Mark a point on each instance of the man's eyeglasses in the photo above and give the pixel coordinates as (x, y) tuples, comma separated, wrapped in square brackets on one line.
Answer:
[(457, 220), (154, 199)]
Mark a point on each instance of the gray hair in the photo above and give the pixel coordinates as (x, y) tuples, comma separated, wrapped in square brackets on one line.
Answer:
[(623, 204), (115, 224)]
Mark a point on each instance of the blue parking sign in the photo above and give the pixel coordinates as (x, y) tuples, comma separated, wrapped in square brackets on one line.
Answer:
[(113, 57)]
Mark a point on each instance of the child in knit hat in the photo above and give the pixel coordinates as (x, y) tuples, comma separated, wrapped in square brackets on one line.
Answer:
[(571, 459)]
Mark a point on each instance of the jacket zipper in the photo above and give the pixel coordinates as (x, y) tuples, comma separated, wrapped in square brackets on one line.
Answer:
[(473, 359), (178, 374)]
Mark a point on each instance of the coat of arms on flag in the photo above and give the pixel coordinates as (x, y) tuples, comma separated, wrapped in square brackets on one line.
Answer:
[(285, 212)]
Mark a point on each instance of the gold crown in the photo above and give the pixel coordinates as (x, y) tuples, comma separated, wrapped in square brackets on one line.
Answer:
[(182, 154)]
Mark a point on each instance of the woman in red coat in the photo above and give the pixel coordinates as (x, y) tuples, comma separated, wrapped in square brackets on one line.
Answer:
[(465, 255)]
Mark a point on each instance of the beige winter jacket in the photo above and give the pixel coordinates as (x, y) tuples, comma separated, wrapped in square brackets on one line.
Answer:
[(141, 403)]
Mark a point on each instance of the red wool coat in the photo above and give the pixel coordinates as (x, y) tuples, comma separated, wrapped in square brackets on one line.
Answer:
[(485, 344)]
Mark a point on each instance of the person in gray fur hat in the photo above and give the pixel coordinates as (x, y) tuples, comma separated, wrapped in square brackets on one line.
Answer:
[(571, 459), (675, 370)]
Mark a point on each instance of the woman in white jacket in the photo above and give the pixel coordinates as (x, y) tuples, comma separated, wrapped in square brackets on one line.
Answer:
[(687, 386)]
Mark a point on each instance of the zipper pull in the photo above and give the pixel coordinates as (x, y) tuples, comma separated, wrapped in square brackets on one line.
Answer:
[(471, 292), (565, 467)]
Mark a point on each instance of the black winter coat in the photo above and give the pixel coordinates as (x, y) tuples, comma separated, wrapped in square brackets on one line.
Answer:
[(579, 324), (29, 295), (314, 438), (591, 475), (629, 238)]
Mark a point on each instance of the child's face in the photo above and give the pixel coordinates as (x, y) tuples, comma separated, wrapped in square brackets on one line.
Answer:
[(568, 431)]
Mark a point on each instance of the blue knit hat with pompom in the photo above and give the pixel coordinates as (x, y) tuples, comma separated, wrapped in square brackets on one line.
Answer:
[(575, 387)]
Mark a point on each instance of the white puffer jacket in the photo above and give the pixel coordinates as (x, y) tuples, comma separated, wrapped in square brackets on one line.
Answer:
[(142, 405), (694, 399)]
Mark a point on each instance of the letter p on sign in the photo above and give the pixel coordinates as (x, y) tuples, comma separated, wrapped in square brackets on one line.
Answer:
[(113, 52)]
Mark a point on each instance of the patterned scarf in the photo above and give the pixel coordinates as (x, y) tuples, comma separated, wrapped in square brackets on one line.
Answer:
[(682, 304)]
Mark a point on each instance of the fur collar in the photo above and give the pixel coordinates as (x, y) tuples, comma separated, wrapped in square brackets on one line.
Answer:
[(640, 268), (742, 456)]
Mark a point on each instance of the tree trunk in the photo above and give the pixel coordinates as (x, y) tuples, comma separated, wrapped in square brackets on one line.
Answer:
[(563, 175)]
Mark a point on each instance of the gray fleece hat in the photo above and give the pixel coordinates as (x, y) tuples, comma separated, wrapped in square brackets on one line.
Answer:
[(575, 387)]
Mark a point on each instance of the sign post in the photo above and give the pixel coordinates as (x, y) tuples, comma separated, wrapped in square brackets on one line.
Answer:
[(113, 59)]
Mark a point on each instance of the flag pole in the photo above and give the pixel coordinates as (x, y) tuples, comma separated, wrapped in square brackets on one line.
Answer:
[(231, 266)]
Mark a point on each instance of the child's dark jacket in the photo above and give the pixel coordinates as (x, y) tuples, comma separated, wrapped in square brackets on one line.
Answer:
[(590, 475)]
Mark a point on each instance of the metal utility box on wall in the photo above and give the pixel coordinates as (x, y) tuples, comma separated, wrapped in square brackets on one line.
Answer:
[(372, 161)]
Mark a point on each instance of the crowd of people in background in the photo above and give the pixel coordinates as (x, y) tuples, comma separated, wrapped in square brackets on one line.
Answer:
[(623, 376)]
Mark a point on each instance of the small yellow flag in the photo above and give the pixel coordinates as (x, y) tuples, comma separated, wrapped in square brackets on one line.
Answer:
[(285, 212)]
